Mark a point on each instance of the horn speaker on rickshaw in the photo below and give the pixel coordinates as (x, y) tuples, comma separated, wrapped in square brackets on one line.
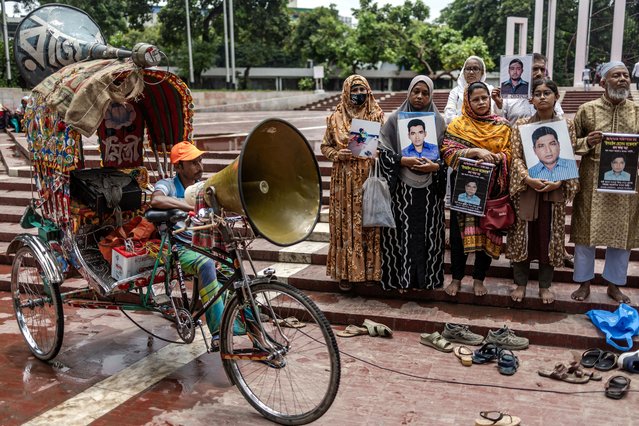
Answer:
[(275, 182)]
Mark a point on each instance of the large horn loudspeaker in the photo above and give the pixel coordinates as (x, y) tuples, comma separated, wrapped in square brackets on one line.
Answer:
[(55, 35), (275, 182)]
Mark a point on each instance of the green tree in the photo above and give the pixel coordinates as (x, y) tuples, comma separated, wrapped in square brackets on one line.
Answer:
[(319, 36)]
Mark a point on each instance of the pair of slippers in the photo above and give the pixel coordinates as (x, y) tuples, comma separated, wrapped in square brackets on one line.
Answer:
[(369, 327), (572, 373), (599, 359), (507, 361)]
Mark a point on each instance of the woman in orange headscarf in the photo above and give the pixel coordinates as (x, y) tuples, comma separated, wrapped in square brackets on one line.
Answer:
[(479, 135), (353, 254)]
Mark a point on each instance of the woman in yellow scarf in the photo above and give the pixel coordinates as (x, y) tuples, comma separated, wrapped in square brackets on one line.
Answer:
[(353, 253), (478, 135)]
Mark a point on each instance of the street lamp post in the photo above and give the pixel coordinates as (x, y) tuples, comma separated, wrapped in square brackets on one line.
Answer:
[(188, 41), (5, 35), (232, 29), (226, 44)]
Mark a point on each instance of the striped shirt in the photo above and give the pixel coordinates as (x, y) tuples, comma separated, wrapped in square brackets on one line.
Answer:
[(563, 170)]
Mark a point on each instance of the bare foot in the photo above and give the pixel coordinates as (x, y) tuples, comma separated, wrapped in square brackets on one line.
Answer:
[(546, 295), (479, 289), (452, 288), (616, 294), (582, 292), (518, 293)]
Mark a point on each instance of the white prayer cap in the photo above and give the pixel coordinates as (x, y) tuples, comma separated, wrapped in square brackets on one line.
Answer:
[(610, 65)]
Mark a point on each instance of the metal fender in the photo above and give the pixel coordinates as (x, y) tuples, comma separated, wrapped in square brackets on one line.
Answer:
[(42, 252)]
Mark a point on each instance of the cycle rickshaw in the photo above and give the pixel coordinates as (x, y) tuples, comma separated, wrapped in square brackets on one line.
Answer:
[(290, 374)]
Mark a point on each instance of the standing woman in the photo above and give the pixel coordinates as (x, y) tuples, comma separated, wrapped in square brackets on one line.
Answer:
[(413, 252), (478, 135), (353, 253), (540, 205), (474, 69)]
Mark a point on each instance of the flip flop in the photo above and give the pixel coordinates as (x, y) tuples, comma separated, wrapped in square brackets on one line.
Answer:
[(290, 322), (617, 387), (590, 357), (351, 331), (465, 355), (436, 341), (561, 373), (496, 418), (376, 329), (575, 368), (607, 361)]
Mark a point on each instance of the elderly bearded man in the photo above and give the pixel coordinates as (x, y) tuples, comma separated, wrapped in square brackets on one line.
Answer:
[(604, 219)]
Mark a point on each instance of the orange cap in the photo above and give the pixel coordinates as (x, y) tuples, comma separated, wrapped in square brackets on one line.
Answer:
[(184, 151)]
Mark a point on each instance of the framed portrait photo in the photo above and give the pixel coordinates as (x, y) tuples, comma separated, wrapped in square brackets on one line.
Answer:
[(515, 74), (548, 151), (417, 135)]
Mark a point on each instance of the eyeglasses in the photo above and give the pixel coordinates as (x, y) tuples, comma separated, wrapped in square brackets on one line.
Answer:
[(545, 94), (472, 69)]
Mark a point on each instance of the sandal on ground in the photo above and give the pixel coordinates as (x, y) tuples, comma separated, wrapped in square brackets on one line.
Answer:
[(487, 353), (617, 387), (561, 373), (607, 361), (507, 362), (465, 355), (376, 329), (575, 368), (345, 285), (496, 418), (290, 322), (590, 357), (436, 341), (351, 331)]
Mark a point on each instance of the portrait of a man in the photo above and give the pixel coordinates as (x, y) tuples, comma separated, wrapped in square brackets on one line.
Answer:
[(617, 172), (419, 147), (469, 195), (547, 149), (515, 85)]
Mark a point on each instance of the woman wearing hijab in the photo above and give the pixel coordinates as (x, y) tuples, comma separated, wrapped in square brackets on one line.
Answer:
[(413, 252), (353, 253), (539, 231), (479, 135), (474, 69)]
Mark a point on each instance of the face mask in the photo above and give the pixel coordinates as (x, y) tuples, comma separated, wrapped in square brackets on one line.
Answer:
[(358, 98)]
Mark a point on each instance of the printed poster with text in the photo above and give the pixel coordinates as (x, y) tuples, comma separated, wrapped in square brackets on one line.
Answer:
[(471, 186), (618, 163)]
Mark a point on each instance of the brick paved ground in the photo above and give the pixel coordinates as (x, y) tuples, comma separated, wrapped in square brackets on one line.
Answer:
[(100, 344)]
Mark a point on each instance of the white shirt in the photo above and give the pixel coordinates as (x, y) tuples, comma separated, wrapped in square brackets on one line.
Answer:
[(514, 109)]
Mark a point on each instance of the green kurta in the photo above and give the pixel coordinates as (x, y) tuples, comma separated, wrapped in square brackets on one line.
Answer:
[(603, 219)]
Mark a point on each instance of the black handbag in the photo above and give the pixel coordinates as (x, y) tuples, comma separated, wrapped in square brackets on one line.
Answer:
[(104, 189)]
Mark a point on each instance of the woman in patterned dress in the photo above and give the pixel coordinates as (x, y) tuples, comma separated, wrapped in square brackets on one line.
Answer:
[(479, 135), (353, 253), (540, 205), (413, 252)]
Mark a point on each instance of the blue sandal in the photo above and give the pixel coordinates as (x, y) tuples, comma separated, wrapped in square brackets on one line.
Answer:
[(487, 353), (507, 362)]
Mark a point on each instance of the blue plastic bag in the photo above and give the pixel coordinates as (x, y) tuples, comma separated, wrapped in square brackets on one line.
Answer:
[(620, 325)]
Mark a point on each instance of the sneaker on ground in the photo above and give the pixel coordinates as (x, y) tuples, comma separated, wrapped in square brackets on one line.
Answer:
[(460, 333), (506, 339)]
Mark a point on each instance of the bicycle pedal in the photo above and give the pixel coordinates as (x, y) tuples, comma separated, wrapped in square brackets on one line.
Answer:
[(161, 299)]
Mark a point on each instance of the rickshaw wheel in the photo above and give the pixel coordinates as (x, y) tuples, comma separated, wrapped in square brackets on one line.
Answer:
[(37, 304)]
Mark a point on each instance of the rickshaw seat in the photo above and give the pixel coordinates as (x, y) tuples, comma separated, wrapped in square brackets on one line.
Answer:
[(171, 216)]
